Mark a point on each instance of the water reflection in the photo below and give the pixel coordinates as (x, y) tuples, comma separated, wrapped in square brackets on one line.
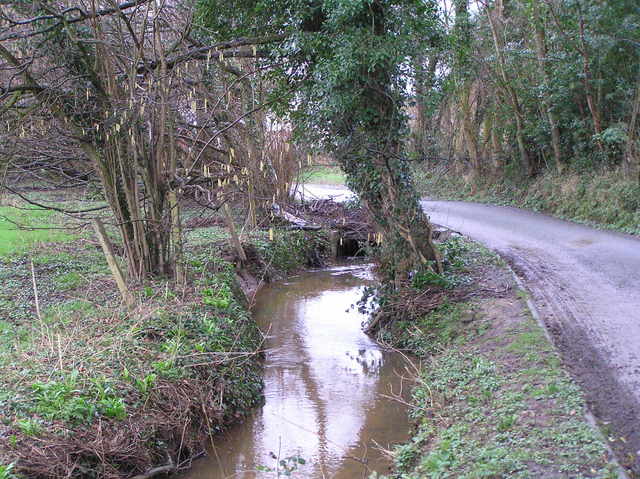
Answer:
[(326, 384)]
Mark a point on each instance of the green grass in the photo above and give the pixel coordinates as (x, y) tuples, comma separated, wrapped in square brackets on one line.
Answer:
[(5, 472), (14, 241), (492, 400), (602, 199), (324, 175)]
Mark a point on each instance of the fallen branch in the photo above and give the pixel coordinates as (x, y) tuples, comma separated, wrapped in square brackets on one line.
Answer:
[(156, 471)]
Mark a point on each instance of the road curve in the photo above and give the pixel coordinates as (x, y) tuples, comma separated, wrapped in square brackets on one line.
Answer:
[(586, 285)]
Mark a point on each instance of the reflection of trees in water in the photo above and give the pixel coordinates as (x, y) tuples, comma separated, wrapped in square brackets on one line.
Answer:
[(323, 383)]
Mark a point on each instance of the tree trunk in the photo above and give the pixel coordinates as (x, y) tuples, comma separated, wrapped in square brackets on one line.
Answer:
[(463, 71), (594, 109), (632, 151), (107, 248), (424, 83), (541, 55), (511, 92), (497, 153), (382, 181), (470, 134), (371, 155)]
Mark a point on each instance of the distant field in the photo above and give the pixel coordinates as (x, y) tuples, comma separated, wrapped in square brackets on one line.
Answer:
[(15, 234), (324, 175)]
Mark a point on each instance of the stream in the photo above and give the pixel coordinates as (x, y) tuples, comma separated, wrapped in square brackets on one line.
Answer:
[(327, 410)]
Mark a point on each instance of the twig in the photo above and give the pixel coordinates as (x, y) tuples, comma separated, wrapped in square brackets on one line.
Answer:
[(59, 353), (156, 471), (35, 292)]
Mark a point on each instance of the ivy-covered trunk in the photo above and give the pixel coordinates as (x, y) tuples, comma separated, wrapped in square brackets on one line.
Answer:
[(383, 181), (373, 158)]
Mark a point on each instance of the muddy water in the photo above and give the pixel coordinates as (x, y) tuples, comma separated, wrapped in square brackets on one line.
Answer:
[(327, 387)]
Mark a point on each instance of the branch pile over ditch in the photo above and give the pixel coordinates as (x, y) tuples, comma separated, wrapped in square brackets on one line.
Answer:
[(353, 222)]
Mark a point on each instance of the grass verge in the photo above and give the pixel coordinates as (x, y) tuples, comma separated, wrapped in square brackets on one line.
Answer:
[(492, 399), (603, 199), (22, 229), (323, 175)]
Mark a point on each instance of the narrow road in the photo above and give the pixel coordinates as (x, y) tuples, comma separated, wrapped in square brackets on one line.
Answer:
[(586, 284)]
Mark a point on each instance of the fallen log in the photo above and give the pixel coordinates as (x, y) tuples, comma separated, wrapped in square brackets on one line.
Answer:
[(295, 221)]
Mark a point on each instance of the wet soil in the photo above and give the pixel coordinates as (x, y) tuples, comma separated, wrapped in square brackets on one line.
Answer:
[(329, 410)]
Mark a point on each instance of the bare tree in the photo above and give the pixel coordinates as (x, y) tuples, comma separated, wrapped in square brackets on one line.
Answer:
[(139, 104)]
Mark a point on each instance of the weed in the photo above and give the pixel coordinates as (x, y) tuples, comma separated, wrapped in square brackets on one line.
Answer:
[(61, 400), (145, 385), (29, 427), (431, 334), (166, 369), (113, 407), (217, 297), (506, 422), (51, 258), (427, 278), (67, 281), (6, 471)]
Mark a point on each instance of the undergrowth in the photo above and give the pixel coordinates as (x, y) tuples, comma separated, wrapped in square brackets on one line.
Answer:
[(88, 388), (605, 199), (111, 391), (491, 398)]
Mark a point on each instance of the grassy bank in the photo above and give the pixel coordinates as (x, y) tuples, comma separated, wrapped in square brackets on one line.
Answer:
[(21, 229), (492, 398), (323, 175), (604, 199), (89, 389)]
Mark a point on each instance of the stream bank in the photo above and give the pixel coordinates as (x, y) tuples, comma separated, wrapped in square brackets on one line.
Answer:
[(493, 398), (88, 388)]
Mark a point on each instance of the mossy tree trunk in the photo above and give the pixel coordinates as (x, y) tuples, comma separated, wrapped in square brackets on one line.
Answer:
[(383, 181), (377, 170)]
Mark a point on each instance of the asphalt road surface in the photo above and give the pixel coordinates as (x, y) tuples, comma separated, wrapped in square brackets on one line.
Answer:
[(585, 283)]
